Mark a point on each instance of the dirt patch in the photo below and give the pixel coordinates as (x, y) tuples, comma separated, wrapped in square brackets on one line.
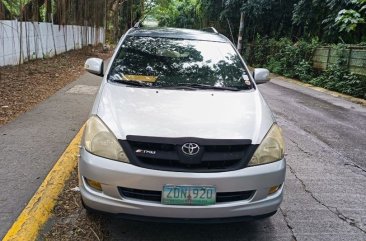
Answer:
[(70, 221), (24, 86)]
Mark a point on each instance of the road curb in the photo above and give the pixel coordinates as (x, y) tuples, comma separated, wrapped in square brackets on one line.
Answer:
[(39, 208), (319, 89)]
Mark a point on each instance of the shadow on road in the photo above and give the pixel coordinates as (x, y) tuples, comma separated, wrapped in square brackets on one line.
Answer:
[(265, 229)]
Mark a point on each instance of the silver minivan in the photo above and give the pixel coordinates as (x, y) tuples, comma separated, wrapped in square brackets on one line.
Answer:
[(180, 132)]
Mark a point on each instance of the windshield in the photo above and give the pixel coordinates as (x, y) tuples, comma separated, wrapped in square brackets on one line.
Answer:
[(164, 62)]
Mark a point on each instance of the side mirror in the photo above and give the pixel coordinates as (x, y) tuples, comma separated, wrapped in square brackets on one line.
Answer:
[(261, 76), (94, 66)]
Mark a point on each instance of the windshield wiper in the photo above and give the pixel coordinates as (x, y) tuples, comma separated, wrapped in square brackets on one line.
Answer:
[(207, 87), (133, 83), (178, 87)]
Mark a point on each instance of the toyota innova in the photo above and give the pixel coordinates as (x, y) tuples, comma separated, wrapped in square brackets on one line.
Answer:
[(180, 132)]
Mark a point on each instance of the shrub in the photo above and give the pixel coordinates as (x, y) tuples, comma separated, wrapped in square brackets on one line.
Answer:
[(295, 60), (339, 79), (304, 71), (274, 66)]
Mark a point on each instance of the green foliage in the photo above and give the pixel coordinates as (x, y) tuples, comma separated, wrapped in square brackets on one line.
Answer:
[(349, 19), (332, 21), (274, 66), (295, 60), (284, 57), (14, 6), (304, 71), (177, 13), (329, 20), (294, 19), (271, 28), (339, 79)]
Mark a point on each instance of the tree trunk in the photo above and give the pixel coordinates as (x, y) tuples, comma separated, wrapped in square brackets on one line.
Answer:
[(241, 32), (31, 11), (4, 12), (105, 20), (231, 32), (142, 8), (48, 17)]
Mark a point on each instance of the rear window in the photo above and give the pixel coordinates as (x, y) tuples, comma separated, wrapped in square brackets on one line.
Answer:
[(164, 62)]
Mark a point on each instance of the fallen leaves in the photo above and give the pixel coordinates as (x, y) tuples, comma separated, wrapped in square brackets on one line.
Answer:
[(24, 86), (70, 220)]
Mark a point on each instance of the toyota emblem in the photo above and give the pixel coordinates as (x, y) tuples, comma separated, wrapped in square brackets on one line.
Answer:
[(191, 149)]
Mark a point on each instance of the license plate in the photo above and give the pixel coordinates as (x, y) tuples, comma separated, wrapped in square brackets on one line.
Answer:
[(188, 195)]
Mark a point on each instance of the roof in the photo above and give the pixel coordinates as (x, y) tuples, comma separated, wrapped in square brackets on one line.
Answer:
[(178, 33)]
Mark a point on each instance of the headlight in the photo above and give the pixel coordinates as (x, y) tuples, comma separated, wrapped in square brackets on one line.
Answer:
[(100, 141), (271, 149)]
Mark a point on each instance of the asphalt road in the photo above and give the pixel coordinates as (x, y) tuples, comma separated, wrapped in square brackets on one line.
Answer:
[(325, 189)]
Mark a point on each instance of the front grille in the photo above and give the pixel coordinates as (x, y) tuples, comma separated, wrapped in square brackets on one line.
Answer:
[(155, 196), (205, 165), (166, 154)]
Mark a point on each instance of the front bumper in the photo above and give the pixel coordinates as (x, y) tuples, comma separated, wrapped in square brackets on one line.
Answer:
[(113, 174)]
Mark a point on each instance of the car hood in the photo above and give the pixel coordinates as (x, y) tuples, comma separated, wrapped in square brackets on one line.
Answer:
[(184, 113)]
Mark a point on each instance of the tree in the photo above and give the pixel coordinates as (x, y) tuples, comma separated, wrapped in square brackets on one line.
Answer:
[(349, 19), (177, 13), (4, 12), (331, 21), (241, 32), (31, 10)]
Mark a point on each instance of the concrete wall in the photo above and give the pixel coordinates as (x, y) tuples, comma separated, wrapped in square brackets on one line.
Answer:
[(354, 56), (22, 41)]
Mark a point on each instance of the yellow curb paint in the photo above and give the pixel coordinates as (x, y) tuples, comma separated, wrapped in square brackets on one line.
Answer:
[(39, 208), (332, 93)]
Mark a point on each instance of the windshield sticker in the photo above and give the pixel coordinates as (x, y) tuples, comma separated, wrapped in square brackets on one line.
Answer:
[(144, 78)]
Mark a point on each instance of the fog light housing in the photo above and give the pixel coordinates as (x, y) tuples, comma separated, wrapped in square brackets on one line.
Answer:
[(274, 189), (94, 184)]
